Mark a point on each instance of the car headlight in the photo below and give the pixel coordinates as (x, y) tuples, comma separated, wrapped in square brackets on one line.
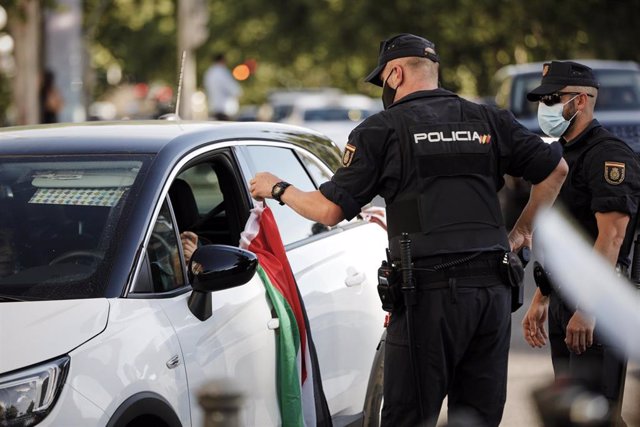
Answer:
[(27, 396)]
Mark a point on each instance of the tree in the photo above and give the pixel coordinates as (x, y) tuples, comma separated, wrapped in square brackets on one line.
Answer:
[(25, 26), (334, 42)]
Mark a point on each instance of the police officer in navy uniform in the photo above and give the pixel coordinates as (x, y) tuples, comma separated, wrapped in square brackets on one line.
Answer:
[(601, 193), (438, 161)]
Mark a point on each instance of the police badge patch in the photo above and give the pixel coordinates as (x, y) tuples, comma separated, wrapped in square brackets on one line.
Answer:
[(347, 157), (614, 172)]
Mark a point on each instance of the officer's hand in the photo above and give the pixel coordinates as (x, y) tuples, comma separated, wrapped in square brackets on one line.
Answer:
[(533, 323), (580, 332), (262, 184), (519, 238)]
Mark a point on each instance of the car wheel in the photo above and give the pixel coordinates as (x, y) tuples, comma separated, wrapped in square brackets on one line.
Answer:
[(374, 398)]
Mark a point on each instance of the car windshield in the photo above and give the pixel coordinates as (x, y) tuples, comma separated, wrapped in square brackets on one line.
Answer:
[(58, 222), (619, 91)]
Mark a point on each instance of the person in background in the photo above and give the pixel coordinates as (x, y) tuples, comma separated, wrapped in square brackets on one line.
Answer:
[(601, 194), (223, 91), (51, 102)]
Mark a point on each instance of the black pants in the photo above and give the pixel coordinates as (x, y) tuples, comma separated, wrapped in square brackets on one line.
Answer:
[(600, 369), (462, 337)]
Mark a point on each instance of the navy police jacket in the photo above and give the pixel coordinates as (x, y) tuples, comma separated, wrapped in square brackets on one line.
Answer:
[(604, 176), (438, 161)]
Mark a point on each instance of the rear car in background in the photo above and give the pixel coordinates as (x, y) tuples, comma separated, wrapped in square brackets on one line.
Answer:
[(334, 115), (617, 109), (280, 102), (101, 321)]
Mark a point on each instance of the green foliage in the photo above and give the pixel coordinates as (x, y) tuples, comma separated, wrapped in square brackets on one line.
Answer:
[(139, 36), (335, 42)]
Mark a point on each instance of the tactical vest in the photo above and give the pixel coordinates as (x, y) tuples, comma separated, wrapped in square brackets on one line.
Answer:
[(449, 204)]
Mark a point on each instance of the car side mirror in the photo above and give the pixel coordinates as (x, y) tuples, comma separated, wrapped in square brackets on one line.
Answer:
[(214, 268)]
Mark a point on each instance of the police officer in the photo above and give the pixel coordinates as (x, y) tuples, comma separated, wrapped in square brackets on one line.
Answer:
[(601, 193), (438, 161)]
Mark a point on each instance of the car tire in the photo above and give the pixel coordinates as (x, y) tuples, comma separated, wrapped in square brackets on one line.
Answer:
[(374, 398)]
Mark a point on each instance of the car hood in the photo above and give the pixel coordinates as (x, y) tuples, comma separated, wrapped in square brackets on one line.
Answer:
[(32, 332)]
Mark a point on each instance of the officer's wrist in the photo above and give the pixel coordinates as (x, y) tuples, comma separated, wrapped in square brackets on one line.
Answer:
[(540, 298), (278, 189)]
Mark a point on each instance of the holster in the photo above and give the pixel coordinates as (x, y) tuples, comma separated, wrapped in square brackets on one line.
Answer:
[(389, 289), (512, 273), (542, 279)]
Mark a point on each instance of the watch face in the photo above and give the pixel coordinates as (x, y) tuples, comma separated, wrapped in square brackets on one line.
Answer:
[(278, 189)]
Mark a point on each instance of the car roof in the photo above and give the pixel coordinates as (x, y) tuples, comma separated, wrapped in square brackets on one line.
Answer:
[(536, 67), (144, 137)]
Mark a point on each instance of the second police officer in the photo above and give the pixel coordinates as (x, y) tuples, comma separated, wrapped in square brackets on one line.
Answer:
[(601, 194), (438, 161)]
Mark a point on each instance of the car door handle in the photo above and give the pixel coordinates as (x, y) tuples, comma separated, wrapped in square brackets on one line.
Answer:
[(354, 277), (273, 324), (173, 362)]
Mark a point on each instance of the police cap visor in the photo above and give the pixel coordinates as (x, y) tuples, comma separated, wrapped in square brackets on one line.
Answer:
[(401, 46), (557, 75)]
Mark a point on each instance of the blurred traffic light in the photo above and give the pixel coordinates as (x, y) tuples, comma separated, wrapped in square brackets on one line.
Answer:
[(243, 71)]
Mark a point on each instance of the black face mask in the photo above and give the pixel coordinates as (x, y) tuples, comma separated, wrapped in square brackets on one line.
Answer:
[(388, 94)]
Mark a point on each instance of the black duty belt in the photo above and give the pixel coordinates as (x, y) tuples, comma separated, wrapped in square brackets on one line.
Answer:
[(483, 265)]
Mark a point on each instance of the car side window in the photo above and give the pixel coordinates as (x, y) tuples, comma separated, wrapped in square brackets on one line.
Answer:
[(285, 164), (317, 172), (208, 200), (205, 186), (162, 252)]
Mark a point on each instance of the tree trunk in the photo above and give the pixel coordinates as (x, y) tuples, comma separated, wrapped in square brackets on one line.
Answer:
[(26, 30)]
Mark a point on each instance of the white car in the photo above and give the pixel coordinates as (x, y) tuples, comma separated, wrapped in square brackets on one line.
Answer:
[(99, 322)]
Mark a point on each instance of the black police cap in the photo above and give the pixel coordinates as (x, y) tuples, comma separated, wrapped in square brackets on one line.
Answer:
[(558, 74), (401, 46)]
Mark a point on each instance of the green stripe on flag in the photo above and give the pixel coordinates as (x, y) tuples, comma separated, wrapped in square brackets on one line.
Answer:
[(288, 347)]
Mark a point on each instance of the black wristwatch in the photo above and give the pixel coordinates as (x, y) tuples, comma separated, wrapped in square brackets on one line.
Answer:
[(278, 190)]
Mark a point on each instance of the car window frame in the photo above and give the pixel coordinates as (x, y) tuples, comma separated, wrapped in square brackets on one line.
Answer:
[(208, 150), (248, 171), (226, 161), (146, 265)]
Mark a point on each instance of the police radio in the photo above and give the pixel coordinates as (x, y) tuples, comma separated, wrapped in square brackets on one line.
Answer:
[(388, 289)]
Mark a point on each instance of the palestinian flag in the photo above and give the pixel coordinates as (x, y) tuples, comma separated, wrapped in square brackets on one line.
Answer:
[(300, 395)]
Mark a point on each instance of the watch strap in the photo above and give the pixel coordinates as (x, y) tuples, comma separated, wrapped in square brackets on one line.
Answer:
[(278, 190)]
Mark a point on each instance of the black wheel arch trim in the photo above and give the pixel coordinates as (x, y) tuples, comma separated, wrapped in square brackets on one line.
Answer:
[(375, 385), (144, 403)]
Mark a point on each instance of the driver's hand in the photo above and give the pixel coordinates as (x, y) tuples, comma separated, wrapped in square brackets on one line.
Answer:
[(189, 242)]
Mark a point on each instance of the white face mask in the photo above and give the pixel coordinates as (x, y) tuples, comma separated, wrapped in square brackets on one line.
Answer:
[(551, 120)]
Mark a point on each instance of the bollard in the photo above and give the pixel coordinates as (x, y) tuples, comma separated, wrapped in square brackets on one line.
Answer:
[(221, 402), (567, 404)]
